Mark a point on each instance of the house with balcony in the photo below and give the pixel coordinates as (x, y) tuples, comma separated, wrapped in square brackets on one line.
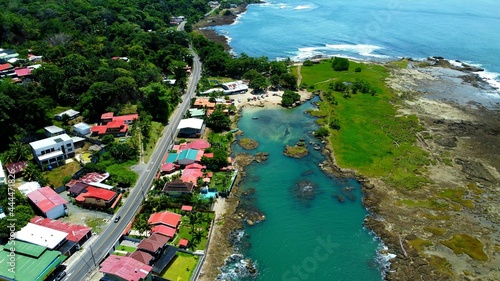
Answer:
[(53, 151)]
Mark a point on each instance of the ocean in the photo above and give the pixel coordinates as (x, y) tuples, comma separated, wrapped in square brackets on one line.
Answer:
[(308, 234), (463, 30)]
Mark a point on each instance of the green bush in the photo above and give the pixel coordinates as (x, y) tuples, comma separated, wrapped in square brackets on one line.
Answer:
[(322, 132), (289, 98), (340, 64), (357, 69)]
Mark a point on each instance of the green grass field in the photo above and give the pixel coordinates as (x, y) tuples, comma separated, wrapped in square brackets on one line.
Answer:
[(57, 175), (181, 268), (372, 138)]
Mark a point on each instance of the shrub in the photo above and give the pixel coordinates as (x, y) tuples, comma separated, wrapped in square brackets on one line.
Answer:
[(322, 132), (340, 64), (308, 63), (289, 98), (357, 69)]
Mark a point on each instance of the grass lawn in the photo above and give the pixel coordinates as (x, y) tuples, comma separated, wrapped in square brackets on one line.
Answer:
[(221, 181), (56, 175), (220, 141), (154, 135), (181, 268), (122, 170), (185, 232), (95, 223), (126, 248), (371, 138)]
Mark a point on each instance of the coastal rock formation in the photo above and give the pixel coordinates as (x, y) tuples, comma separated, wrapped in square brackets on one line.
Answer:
[(305, 191), (296, 151), (248, 143), (261, 156)]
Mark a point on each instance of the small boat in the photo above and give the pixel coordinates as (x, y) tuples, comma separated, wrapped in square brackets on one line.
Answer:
[(317, 147), (255, 118)]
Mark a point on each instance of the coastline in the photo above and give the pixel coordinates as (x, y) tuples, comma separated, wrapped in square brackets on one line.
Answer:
[(203, 26), (399, 227)]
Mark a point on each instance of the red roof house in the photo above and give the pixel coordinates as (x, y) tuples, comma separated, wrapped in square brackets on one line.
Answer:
[(151, 246), (165, 218), (115, 125), (16, 168), (125, 268), (183, 243), (191, 175), (97, 197), (76, 233), (5, 66), (169, 167), (22, 71), (48, 202), (186, 208), (142, 256), (167, 231)]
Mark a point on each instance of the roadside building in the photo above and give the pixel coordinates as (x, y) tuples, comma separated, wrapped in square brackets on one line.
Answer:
[(53, 151), (42, 236), (33, 262), (125, 268), (191, 127), (75, 233), (98, 198), (48, 203)]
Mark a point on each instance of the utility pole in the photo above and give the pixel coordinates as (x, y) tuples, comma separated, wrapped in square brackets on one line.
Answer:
[(92, 253)]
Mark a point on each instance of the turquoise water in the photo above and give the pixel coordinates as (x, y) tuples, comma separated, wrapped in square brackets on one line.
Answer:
[(377, 29), (302, 238)]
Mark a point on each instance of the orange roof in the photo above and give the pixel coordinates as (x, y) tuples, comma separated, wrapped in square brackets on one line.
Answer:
[(204, 103), (124, 118), (166, 218), (183, 242)]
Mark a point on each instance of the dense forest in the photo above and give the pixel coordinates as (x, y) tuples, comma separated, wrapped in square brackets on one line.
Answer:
[(80, 42)]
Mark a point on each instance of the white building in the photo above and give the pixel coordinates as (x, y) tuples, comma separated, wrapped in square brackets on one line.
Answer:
[(72, 114), (191, 127), (54, 150), (41, 235), (51, 131), (3, 179), (82, 129), (29, 187)]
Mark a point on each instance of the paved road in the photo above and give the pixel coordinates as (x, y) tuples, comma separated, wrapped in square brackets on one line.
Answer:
[(93, 254)]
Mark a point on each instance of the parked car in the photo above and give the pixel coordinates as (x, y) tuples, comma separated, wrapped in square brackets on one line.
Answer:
[(60, 276)]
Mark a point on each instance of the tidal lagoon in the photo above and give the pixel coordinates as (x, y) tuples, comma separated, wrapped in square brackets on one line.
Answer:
[(314, 223)]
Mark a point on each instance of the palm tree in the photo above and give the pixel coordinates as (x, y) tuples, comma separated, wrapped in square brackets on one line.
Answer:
[(31, 173), (17, 152)]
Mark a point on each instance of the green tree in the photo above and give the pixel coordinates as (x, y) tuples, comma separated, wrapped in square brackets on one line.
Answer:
[(157, 101), (259, 83), (219, 121), (340, 64), (289, 98)]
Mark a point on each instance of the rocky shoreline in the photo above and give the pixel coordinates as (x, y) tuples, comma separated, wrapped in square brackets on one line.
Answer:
[(462, 139)]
